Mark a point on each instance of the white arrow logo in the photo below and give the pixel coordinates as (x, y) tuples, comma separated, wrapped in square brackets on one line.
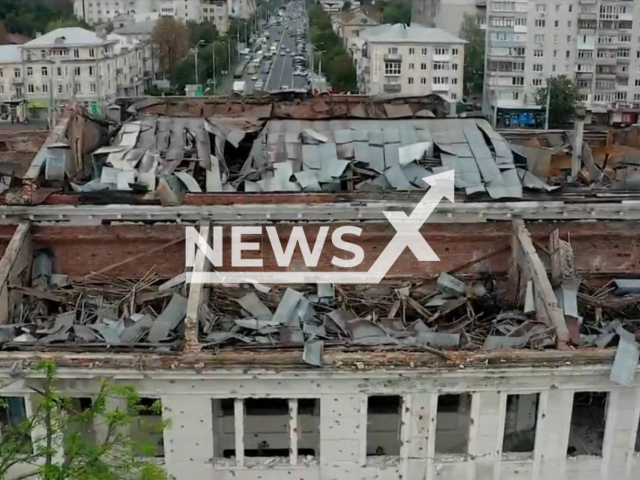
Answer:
[(408, 228), (407, 236)]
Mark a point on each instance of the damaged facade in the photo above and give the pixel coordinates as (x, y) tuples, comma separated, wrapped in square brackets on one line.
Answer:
[(513, 357)]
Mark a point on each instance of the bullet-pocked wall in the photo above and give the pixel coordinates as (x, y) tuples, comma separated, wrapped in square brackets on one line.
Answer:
[(567, 422)]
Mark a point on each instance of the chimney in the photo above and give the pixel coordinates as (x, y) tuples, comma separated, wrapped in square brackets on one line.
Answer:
[(578, 134)]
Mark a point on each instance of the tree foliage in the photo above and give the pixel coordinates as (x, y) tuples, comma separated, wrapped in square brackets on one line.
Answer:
[(29, 17), (3, 33), (389, 11), (337, 65), (170, 38), (56, 425), (64, 23), (205, 32), (563, 101), (473, 53)]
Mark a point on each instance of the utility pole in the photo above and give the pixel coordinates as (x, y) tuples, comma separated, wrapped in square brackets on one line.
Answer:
[(546, 116), (213, 59)]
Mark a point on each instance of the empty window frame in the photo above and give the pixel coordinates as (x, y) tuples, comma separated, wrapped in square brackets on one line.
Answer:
[(383, 425), (588, 418), (81, 422), (13, 417), (520, 423), (147, 428), (266, 427), (452, 423)]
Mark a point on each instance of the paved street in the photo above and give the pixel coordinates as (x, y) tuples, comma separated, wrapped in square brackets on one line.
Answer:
[(279, 74)]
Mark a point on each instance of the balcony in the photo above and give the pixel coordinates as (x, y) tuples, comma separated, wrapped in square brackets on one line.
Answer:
[(442, 58), (17, 81), (392, 87), (440, 87), (393, 57)]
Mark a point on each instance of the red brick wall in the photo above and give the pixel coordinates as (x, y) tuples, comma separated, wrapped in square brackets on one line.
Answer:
[(604, 248)]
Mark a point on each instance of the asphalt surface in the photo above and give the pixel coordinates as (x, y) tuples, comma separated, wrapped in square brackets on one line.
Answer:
[(280, 75)]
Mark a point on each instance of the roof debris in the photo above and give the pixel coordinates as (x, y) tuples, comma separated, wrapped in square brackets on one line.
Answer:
[(99, 312)]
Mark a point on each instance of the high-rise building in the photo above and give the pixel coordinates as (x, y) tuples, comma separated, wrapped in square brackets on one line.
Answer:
[(100, 11), (590, 41), (446, 14)]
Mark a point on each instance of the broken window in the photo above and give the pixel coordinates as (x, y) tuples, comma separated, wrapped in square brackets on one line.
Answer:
[(81, 419), (224, 428), (147, 427), (588, 419), (452, 423), (520, 423), (383, 425), (266, 427), (308, 427), (13, 419), (270, 427)]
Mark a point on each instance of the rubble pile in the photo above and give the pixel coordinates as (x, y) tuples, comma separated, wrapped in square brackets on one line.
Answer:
[(95, 311), (456, 315)]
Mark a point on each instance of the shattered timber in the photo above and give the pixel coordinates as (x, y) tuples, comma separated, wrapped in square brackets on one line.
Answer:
[(514, 357)]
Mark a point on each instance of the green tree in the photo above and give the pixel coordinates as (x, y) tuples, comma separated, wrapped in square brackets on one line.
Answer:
[(62, 427), (205, 32), (64, 23), (473, 53), (336, 63), (395, 12), (343, 74), (170, 38), (33, 16), (346, 6), (563, 101)]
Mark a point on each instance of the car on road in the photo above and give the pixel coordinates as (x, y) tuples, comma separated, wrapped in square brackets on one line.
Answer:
[(254, 77), (259, 85), (282, 53), (284, 87)]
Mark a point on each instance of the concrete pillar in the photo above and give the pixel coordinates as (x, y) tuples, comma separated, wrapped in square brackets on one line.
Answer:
[(343, 435), (101, 427), (419, 435), (486, 432), (552, 436), (576, 156), (620, 433), (188, 439)]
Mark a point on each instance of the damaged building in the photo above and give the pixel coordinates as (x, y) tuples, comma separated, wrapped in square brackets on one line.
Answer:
[(512, 357)]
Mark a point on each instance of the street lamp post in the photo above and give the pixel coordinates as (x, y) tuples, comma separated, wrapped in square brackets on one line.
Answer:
[(196, 50), (546, 116)]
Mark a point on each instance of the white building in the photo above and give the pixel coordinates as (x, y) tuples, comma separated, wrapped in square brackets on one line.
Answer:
[(216, 12), (71, 64), (412, 60), (594, 43), (101, 11), (446, 14)]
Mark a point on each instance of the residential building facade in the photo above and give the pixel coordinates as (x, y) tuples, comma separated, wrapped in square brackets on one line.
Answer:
[(413, 60), (590, 41), (72, 64), (216, 12), (100, 11), (446, 14), (349, 25)]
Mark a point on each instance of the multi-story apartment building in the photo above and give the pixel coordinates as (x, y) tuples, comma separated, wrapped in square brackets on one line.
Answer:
[(349, 25), (591, 41), (216, 12), (413, 60), (71, 64), (446, 14), (100, 11)]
